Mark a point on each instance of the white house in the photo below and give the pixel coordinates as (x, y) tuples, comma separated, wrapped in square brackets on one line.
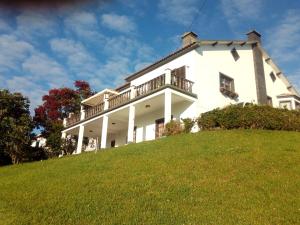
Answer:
[(39, 141), (200, 76)]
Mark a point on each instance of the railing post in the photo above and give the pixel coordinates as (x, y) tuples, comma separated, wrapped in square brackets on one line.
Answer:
[(106, 103), (82, 112), (65, 122), (132, 92), (167, 76)]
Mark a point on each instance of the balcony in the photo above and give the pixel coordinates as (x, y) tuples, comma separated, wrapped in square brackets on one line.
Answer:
[(134, 93)]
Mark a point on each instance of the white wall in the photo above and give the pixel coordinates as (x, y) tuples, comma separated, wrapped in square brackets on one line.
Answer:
[(203, 67), (215, 59), (274, 88)]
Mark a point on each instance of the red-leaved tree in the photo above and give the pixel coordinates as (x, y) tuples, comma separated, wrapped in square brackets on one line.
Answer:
[(57, 104)]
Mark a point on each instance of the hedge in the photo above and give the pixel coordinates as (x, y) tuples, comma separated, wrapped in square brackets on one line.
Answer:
[(250, 117)]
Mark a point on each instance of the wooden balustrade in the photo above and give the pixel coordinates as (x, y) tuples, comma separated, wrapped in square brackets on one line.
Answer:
[(118, 99), (73, 119), (150, 85), (140, 90), (182, 83), (94, 110)]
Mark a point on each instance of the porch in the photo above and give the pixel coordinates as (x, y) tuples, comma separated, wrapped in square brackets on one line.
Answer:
[(137, 120), (108, 100)]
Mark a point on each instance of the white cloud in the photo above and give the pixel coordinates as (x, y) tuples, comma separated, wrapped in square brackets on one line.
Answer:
[(112, 73), (32, 24), (282, 40), (118, 22), (12, 52), (84, 25), (178, 11), (46, 71), (237, 10), (4, 27), (28, 88), (79, 60)]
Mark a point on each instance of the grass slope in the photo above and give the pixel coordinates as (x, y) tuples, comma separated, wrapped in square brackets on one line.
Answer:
[(217, 177)]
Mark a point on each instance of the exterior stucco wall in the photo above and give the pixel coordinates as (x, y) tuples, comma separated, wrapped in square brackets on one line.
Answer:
[(212, 61), (274, 88), (203, 66)]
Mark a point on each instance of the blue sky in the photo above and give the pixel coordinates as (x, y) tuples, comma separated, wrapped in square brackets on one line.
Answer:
[(104, 42)]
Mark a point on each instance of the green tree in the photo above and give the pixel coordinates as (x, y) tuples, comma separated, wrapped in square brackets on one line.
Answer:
[(15, 127)]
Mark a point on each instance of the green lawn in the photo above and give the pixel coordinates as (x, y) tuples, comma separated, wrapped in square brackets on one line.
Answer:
[(217, 177)]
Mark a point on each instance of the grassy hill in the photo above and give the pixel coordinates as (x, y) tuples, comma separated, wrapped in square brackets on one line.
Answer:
[(217, 177)]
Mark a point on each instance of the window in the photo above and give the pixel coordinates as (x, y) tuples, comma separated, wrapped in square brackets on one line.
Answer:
[(226, 83), (273, 77), (159, 128), (235, 54), (269, 101), (134, 134), (285, 105), (179, 72), (113, 143), (227, 86)]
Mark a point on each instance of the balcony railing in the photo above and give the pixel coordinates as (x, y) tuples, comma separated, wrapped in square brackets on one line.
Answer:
[(73, 119), (118, 99), (150, 85), (123, 98), (95, 110), (182, 83)]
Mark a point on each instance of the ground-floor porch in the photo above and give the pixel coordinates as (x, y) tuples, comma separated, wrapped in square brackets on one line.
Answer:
[(141, 120)]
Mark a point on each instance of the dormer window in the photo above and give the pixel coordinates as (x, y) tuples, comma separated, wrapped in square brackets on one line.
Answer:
[(273, 77), (235, 54)]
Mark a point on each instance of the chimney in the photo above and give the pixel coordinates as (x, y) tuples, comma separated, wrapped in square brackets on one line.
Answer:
[(254, 36), (188, 38), (261, 90)]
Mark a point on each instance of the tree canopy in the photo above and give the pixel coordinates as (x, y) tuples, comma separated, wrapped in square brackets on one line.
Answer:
[(15, 127), (57, 104)]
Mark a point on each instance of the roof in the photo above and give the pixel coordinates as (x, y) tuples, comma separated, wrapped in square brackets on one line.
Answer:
[(287, 95), (162, 61), (183, 51), (123, 87), (97, 97), (199, 43)]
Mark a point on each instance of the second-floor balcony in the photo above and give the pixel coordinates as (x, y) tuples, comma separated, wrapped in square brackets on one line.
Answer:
[(113, 101)]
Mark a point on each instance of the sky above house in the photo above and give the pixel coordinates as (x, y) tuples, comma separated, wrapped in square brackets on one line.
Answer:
[(101, 41)]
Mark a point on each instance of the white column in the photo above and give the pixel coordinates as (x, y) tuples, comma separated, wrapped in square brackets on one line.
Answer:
[(63, 135), (65, 122), (168, 105), (80, 139), (132, 92), (82, 112), (293, 104), (106, 103), (104, 131), (167, 76), (131, 118)]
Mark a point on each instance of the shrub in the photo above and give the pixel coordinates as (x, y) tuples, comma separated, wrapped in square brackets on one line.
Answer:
[(250, 117), (188, 124), (173, 128)]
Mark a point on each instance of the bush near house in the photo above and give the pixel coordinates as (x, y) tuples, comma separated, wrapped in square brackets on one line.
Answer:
[(172, 128), (250, 117), (175, 127)]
